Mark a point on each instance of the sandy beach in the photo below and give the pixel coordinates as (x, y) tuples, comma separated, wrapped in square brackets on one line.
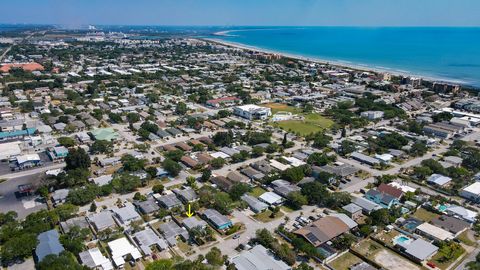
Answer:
[(340, 64)]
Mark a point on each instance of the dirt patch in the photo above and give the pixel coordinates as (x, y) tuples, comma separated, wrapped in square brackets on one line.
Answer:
[(394, 262)]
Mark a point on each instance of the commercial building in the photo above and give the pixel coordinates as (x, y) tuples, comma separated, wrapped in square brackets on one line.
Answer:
[(252, 112)]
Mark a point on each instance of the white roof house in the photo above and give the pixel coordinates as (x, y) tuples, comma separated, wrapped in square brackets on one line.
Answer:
[(434, 232), (271, 198), (279, 166), (384, 157), (93, 258), (120, 248), (438, 179), (462, 212), (219, 155), (102, 180), (295, 162), (471, 192)]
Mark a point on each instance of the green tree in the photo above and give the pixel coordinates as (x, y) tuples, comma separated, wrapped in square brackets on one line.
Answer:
[(296, 200), (132, 164), (172, 167), (133, 117), (64, 261), (101, 147), (158, 188), (206, 174), (238, 190), (66, 141), (77, 158), (214, 257), (124, 183), (181, 108)]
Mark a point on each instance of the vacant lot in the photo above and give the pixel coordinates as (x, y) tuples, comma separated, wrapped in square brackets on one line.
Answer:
[(383, 256), (392, 261), (345, 261), (280, 107), (265, 216), (425, 215), (312, 123)]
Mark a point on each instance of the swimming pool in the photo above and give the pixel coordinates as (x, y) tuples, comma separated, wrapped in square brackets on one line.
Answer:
[(401, 239), (442, 208)]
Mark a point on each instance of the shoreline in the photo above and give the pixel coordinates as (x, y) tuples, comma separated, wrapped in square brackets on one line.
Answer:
[(337, 63)]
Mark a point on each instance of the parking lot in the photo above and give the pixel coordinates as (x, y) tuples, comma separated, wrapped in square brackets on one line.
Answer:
[(5, 166), (10, 200)]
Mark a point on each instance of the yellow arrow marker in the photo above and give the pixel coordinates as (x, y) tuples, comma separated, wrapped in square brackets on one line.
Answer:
[(189, 213)]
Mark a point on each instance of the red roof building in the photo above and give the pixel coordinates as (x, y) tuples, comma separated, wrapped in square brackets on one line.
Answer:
[(25, 66)]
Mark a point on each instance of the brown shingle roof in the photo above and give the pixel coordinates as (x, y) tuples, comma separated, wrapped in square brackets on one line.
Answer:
[(189, 161), (392, 191), (323, 230)]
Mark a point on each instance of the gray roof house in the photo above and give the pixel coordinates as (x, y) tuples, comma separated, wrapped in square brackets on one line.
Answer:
[(419, 249), (60, 196), (258, 258), (48, 243), (147, 207), (126, 214), (81, 222), (283, 188), (147, 238), (366, 205), (102, 220), (255, 204), (186, 195), (171, 230), (218, 220), (192, 222), (169, 201), (252, 173)]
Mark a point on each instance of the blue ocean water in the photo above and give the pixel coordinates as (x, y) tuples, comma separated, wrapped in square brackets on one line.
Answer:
[(443, 53)]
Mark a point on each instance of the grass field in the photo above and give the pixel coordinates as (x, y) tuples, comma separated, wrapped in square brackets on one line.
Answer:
[(425, 215), (257, 191), (265, 216), (345, 261), (312, 123)]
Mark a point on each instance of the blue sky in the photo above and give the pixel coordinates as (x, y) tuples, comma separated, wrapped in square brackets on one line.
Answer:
[(244, 12)]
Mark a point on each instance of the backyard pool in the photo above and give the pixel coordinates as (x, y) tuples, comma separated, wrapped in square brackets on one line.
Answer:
[(401, 239)]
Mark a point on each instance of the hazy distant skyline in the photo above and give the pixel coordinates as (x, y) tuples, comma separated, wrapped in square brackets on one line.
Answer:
[(244, 12)]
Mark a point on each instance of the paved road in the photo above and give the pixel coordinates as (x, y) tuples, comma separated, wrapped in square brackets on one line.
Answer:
[(227, 246), (395, 170), (470, 258), (33, 171)]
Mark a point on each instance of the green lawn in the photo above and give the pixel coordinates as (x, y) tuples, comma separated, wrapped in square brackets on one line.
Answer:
[(312, 123), (425, 215), (265, 216), (345, 261), (257, 192), (444, 264)]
